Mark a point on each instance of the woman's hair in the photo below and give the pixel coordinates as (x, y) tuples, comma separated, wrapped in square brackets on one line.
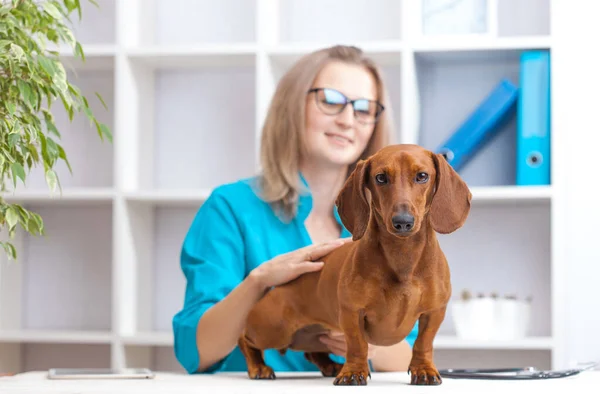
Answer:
[(282, 140)]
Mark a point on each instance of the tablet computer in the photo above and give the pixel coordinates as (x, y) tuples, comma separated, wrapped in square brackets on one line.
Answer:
[(100, 373)]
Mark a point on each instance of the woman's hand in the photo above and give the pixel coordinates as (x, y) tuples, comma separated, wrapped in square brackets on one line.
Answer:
[(336, 342), (289, 266)]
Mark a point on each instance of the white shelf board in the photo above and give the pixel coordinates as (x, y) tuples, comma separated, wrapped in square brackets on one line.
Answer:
[(168, 197), (81, 195), (511, 193), (56, 336), (383, 52), (182, 56), (458, 44), (149, 339), (528, 343)]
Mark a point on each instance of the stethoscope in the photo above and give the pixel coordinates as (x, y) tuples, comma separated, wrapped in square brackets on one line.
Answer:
[(525, 373)]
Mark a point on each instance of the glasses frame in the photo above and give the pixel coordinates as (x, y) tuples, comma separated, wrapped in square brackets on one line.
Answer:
[(379, 106)]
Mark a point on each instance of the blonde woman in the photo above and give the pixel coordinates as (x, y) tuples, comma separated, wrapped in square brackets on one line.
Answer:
[(328, 111)]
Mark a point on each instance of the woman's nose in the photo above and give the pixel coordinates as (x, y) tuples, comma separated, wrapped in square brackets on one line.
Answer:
[(346, 117)]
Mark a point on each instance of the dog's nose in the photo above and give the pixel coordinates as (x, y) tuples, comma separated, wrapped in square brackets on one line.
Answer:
[(403, 222)]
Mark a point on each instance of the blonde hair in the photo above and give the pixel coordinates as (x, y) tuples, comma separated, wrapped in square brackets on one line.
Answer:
[(282, 135)]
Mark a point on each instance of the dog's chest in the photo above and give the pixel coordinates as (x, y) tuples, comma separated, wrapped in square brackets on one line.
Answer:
[(391, 317)]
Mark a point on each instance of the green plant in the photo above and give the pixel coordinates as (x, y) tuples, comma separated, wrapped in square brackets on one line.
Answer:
[(32, 79)]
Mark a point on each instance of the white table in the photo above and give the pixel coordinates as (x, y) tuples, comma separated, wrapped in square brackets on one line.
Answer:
[(176, 383)]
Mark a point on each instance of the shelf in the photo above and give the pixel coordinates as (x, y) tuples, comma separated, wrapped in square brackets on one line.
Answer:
[(194, 56), (511, 193), (170, 197), (486, 46), (68, 196), (188, 84), (55, 336), (534, 343), (149, 339)]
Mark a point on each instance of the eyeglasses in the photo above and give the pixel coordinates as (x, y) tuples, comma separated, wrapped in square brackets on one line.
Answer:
[(333, 102)]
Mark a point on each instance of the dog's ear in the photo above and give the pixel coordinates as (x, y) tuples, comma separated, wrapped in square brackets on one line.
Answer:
[(451, 200), (352, 203)]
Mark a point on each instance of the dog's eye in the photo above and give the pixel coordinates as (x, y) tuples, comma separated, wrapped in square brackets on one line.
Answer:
[(381, 178), (422, 177)]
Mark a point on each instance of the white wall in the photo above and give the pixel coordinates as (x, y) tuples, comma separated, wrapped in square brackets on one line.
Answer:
[(577, 74)]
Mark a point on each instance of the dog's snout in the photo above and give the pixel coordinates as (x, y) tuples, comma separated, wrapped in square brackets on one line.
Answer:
[(403, 222)]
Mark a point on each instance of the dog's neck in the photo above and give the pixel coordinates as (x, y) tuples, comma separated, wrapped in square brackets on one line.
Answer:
[(401, 255)]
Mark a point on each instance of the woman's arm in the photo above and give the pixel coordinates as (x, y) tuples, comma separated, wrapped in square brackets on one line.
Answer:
[(392, 358), (221, 325)]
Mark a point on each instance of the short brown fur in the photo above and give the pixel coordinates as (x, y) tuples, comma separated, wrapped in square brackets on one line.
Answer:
[(375, 288)]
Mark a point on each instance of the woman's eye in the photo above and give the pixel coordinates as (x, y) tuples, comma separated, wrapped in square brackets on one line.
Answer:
[(381, 178), (422, 177)]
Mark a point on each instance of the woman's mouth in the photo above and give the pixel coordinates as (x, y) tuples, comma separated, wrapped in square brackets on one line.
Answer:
[(338, 139)]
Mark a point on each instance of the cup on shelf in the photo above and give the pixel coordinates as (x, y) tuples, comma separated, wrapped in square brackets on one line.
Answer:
[(491, 318)]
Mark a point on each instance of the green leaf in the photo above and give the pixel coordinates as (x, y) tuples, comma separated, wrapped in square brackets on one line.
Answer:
[(60, 77), (52, 10), (11, 106), (102, 101), (18, 172), (10, 250), (26, 93), (51, 180), (12, 217)]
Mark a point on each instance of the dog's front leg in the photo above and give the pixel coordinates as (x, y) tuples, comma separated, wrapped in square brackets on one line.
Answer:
[(356, 368), (421, 368)]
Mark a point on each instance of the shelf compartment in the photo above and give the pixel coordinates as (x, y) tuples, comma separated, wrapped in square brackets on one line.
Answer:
[(98, 23), (91, 158), (331, 21), (448, 95), (43, 356), (503, 249), (72, 262), (157, 232), (523, 18), (183, 114), (177, 22)]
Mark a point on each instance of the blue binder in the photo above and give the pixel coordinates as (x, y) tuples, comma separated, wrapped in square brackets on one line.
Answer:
[(533, 120), (481, 126)]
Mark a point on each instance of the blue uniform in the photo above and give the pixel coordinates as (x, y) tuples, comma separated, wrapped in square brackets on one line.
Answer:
[(232, 233)]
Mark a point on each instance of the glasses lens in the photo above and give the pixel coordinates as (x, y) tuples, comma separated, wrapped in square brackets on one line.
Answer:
[(365, 110), (330, 101)]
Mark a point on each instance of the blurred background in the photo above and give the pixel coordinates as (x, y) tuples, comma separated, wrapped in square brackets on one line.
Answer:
[(187, 84)]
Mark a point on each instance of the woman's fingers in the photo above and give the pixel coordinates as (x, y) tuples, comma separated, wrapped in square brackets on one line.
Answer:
[(308, 266), (318, 251), (336, 345)]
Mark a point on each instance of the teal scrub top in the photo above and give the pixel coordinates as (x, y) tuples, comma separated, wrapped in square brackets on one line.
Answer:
[(232, 233)]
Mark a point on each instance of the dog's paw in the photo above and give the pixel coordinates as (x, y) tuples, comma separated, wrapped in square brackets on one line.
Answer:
[(424, 374), (261, 372), (352, 378), (331, 370)]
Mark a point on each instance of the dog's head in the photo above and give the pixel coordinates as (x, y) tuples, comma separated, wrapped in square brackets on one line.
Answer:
[(403, 185)]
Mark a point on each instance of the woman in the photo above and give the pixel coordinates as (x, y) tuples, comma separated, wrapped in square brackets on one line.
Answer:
[(329, 110)]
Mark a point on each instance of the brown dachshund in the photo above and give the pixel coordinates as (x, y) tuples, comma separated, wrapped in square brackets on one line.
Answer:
[(376, 287)]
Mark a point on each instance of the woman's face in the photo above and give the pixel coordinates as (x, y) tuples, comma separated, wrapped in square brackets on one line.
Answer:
[(338, 139)]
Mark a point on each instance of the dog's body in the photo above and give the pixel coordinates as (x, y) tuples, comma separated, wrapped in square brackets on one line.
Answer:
[(375, 288)]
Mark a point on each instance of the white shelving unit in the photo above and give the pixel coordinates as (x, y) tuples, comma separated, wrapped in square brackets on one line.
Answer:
[(188, 83)]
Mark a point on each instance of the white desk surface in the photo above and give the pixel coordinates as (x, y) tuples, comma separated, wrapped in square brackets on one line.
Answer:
[(165, 382)]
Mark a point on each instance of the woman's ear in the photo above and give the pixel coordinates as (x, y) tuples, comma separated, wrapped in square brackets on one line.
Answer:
[(451, 202), (352, 203)]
